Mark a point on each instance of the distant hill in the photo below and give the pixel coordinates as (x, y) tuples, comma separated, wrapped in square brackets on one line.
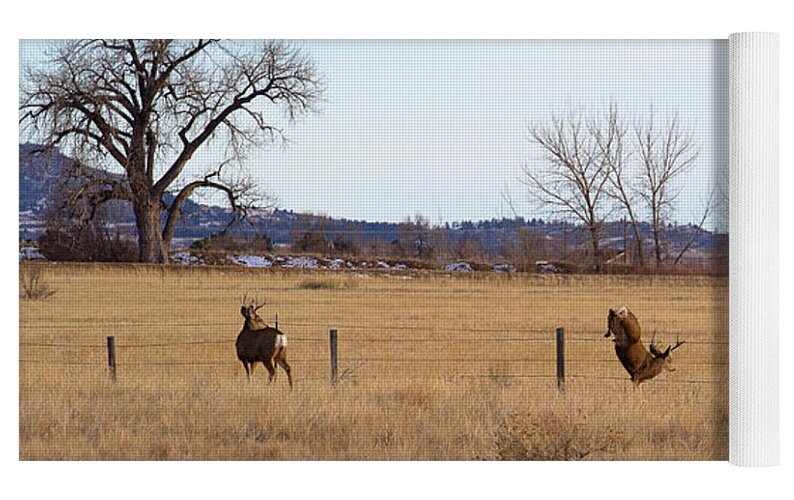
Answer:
[(38, 174)]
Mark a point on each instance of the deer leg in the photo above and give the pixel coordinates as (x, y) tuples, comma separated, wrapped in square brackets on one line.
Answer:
[(247, 373), (270, 370), (282, 360), (274, 361)]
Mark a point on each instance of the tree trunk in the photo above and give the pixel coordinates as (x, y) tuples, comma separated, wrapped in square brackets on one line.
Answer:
[(596, 248), (150, 239), (638, 241), (657, 245)]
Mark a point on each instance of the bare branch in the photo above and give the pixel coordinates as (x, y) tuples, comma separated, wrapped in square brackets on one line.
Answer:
[(698, 229)]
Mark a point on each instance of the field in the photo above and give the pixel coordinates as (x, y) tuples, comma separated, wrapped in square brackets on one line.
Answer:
[(434, 366)]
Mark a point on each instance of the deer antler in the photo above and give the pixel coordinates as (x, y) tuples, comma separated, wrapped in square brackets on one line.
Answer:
[(256, 303), (678, 343)]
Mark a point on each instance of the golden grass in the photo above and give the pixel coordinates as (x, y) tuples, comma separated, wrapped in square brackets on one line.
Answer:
[(443, 367)]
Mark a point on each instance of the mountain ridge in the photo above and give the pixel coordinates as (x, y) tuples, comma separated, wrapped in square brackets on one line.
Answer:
[(38, 174)]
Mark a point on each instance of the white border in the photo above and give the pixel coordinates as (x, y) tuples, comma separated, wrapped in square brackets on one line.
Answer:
[(754, 422), (403, 19)]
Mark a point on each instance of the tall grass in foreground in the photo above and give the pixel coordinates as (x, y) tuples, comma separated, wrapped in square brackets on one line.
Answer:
[(194, 415)]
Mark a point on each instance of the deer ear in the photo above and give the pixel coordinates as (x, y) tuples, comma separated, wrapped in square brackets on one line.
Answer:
[(667, 351), (244, 312)]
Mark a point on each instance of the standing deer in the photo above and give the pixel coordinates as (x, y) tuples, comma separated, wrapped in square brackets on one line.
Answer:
[(259, 342), (638, 362)]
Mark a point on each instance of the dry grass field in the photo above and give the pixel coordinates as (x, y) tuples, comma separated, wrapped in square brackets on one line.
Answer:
[(436, 367)]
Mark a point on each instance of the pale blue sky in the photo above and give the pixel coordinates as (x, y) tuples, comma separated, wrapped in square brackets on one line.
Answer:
[(439, 127)]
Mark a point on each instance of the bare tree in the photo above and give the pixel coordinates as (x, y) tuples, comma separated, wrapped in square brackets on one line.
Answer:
[(145, 108), (664, 155), (617, 157), (414, 236), (698, 229), (573, 180)]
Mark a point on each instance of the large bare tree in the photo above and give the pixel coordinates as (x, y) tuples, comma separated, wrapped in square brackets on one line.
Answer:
[(617, 155), (146, 108), (664, 154), (572, 182)]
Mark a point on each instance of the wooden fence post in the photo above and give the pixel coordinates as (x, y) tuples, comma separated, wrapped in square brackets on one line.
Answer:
[(561, 359), (333, 356), (112, 358)]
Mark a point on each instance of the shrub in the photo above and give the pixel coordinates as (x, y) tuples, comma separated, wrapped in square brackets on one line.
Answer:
[(31, 284), (329, 284), (226, 243), (311, 242), (553, 437), (85, 242)]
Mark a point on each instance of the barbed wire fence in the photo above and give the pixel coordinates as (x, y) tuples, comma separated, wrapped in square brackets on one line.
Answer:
[(351, 335)]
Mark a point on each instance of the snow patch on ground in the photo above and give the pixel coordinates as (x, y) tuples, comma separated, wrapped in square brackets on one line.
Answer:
[(186, 259), (547, 267), (504, 268), (251, 261), (335, 263), (30, 253), (459, 267), (301, 263)]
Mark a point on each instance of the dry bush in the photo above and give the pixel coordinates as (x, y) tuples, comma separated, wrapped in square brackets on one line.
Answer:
[(547, 436), (31, 284), (85, 242), (226, 243), (326, 284)]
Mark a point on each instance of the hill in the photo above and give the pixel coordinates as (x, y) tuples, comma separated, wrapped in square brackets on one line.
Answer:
[(39, 174)]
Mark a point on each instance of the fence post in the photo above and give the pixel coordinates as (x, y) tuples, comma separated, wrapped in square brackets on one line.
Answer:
[(333, 356), (112, 358), (561, 359), (276, 321)]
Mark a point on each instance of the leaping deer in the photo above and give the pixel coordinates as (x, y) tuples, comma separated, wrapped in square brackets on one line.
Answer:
[(259, 342), (638, 362)]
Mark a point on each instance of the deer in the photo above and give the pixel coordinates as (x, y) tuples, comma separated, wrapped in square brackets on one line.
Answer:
[(258, 342), (640, 363)]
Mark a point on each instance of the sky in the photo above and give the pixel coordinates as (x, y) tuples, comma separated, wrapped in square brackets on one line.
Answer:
[(440, 127)]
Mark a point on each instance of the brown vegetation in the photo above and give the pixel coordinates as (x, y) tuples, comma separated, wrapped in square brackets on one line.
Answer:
[(445, 368), (31, 284)]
